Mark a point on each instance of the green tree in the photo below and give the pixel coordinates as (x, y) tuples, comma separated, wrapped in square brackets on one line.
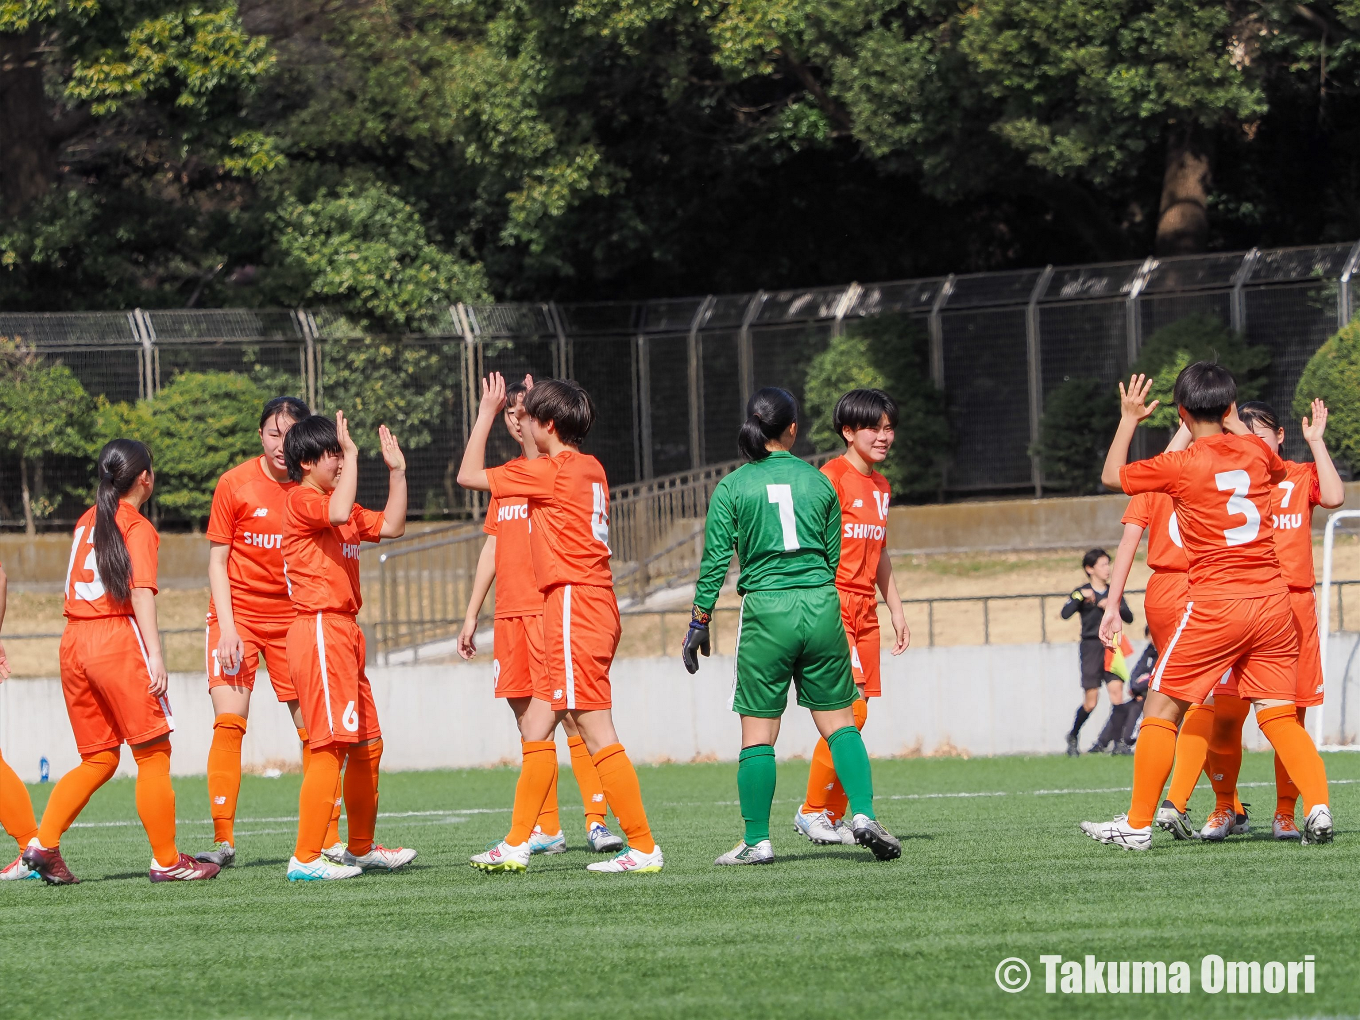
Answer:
[(1333, 374), (890, 353), (44, 412), (1198, 338), (197, 427), (1080, 417)]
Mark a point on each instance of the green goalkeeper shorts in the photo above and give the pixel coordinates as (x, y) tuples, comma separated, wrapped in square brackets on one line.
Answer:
[(793, 635)]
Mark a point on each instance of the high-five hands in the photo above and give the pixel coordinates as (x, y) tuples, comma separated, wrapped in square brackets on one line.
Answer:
[(493, 395), (1133, 400), (1313, 430), (348, 446), (391, 451)]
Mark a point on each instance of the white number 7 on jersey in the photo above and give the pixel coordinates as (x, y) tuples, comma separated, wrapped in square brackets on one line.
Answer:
[(782, 496), (1240, 483)]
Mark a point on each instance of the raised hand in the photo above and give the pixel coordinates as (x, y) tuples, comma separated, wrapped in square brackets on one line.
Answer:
[(1133, 400), (347, 445), (391, 452), (528, 381), (493, 394), (1314, 429)]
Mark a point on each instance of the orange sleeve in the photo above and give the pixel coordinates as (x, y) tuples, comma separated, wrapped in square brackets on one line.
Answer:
[(143, 543), (222, 516), (491, 525), (1314, 486), (368, 523), (531, 478), (311, 508), (1156, 474), (1139, 511)]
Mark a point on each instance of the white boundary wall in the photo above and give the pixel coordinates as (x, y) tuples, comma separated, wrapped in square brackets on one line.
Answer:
[(976, 700)]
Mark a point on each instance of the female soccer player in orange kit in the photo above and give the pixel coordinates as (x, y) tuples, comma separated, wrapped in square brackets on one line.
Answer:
[(112, 673), (16, 809)]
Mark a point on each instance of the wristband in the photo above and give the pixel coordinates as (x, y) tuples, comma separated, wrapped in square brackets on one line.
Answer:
[(700, 617)]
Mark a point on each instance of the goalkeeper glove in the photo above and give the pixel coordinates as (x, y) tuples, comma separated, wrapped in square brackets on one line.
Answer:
[(696, 640)]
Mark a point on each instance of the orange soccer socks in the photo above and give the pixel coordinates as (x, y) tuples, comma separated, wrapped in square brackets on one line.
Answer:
[(592, 793), (16, 809), (1153, 757), (156, 800), (332, 830), (72, 792), (824, 792), (361, 795), (549, 817), (620, 782), (1224, 760), (1301, 759), (316, 801), (1286, 793), (224, 774), (537, 777), (1192, 745)]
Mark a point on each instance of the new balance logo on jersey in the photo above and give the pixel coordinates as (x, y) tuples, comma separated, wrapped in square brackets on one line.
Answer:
[(261, 511), (873, 532), (857, 504), (513, 513), (349, 550), (261, 541), (1287, 522)]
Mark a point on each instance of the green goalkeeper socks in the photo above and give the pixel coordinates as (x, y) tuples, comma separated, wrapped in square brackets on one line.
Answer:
[(852, 769), (755, 787)]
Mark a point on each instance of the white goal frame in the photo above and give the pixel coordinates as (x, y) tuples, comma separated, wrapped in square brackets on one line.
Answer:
[(1325, 616)]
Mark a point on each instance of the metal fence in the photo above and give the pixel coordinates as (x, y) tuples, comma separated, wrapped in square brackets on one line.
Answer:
[(670, 377)]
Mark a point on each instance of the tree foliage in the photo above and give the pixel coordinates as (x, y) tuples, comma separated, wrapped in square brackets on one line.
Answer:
[(1333, 374), (1198, 338), (1080, 417)]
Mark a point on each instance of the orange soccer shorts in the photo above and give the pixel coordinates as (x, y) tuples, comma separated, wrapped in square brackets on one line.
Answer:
[(581, 630), (1164, 604), (326, 667), (259, 638), (1255, 638), (859, 613), (1309, 690), (518, 666), (105, 678)]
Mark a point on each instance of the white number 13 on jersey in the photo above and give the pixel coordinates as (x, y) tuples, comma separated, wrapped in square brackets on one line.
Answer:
[(782, 497), (1239, 482)]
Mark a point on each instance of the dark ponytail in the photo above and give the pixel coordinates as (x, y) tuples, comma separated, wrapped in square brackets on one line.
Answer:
[(768, 413), (121, 463), (1258, 412)]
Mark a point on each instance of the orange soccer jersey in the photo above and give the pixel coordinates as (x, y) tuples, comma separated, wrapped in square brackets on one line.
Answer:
[(1155, 512), (105, 674), (864, 535), (326, 649), (247, 514), (1237, 613), (568, 498), (518, 663), (1291, 509)]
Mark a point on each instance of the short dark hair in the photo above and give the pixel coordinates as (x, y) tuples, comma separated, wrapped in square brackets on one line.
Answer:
[(1258, 412), (1205, 390), (566, 404), (513, 390), (1092, 557), (863, 409), (307, 441), (291, 407)]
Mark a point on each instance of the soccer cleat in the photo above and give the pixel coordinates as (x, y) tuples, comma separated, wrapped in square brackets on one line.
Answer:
[(48, 864), (1241, 823), (630, 860), (1119, 833), (1073, 747), (1284, 826), (1175, 822), (761, 853), (379, 858), (1098, 748), (186, 869), (541, 843), (818, 827), (868, 833), (602, 841), (320, 870), (503, 857), (1121, 748), (222, 854), (17, 871), (1317, 827), (335, 853), (1218, 825)]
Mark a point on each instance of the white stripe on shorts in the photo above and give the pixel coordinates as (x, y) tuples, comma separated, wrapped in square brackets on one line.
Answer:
[(736, 658), (566, 646), (325, 677), (141, 646), (1157, 676)]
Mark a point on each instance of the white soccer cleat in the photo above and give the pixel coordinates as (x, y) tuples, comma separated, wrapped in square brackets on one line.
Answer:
[(1175, 822), (1218, 825), (17, 871), (1119, 833), (742, 853), (320, 870), (1317, 827), (541, 843), (818, 827), (335, 853), (503, 858), (379, 858), (602, 841), (1241, 823), (1284, 827), (630, 860)]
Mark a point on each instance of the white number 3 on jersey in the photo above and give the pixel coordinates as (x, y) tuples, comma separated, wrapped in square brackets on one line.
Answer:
[(599, 516), (1239, 482)]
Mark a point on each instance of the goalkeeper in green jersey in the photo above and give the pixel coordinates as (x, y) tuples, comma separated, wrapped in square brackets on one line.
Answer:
[(784, 519)]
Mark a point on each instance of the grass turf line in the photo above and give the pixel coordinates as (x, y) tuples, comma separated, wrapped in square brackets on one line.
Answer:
[(981, 878)]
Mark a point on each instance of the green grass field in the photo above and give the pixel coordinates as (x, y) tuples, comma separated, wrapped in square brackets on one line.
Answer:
[(993, 867)]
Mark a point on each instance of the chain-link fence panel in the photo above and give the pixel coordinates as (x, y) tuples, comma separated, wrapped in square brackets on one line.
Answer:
[(665, 403), (607, 366), (723, 409), (781, 356)]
